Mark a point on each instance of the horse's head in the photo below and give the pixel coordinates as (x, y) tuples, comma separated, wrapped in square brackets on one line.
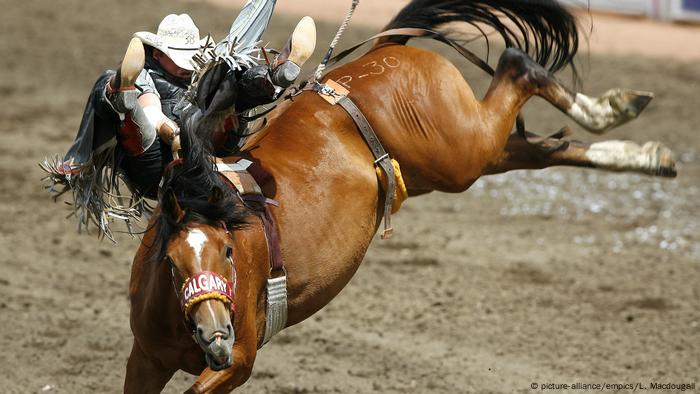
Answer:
[(200, 254)]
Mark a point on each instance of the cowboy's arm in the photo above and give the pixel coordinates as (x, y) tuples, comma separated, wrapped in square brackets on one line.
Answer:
[(166, 128)]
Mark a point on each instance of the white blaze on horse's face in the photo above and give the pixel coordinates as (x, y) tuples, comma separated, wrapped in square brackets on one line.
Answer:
[(200, 249), (196, 239)]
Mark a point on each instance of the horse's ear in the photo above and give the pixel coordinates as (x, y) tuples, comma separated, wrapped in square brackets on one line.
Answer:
[(216, 196), (171, 207)]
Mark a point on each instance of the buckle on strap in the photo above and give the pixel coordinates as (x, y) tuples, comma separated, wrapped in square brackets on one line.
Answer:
[(388, 233), (379, 160), (385, 164), (330, 91)]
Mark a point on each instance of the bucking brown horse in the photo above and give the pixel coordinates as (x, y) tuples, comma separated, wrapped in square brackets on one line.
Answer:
[(323, 175)]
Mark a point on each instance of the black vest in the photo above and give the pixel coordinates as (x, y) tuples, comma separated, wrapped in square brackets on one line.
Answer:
[(170, 91)]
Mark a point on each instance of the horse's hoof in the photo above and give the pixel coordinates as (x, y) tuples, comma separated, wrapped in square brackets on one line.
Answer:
[(629, 103), (661, 158), (614, 108)]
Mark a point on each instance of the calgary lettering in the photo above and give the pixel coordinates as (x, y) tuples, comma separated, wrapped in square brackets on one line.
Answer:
[(204, 283)]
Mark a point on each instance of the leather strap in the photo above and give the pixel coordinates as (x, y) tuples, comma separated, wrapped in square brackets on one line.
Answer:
[(382, 158), (273, 241), (269, 225), (270, 229), (276, 304)]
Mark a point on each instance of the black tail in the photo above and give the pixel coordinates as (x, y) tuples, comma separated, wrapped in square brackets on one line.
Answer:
[(542, 28)]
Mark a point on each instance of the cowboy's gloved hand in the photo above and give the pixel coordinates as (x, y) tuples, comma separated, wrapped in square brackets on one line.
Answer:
[(258, 88), (168, 130), (217, 90), (176, 147)]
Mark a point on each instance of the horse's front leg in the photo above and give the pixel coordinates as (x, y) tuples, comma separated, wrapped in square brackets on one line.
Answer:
[(145, 374), (244, 352), (652, 158), (227, 380)]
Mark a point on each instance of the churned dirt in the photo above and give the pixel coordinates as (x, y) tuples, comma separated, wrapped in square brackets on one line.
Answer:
[(558, 276)]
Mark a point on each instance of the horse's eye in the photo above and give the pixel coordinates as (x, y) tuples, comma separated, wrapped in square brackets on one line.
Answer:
[(173, 268), (229, 253)]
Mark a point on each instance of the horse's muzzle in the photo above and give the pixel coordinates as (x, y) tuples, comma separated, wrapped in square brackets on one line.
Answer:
[(218, 347)]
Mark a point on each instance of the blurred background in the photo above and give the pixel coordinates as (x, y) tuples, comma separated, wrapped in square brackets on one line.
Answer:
[(563, 275)]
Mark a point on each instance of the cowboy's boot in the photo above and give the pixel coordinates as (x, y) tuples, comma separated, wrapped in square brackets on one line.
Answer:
[(121, 92), (298, 50), (136, 133)]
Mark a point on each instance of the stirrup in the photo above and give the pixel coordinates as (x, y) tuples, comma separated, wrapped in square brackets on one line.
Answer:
[(122, 93), (298, 50)]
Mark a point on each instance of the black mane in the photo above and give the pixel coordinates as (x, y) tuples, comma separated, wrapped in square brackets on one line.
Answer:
[(192, 180)]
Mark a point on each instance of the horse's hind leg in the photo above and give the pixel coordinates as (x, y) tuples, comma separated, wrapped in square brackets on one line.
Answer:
[(597, 115), (652, 158), (144, 374)]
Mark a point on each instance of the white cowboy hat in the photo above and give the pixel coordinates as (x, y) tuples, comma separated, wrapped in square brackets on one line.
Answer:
[(178, 38)]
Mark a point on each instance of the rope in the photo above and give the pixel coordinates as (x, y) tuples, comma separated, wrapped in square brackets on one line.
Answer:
[(343, 27)]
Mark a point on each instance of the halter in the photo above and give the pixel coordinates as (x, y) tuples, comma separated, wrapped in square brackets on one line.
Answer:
[(204, 286)]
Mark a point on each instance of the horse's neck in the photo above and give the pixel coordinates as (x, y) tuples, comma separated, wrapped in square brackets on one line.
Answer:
[(155, 309)]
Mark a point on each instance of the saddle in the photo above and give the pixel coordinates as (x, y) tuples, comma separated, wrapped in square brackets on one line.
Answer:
[(244, 175)]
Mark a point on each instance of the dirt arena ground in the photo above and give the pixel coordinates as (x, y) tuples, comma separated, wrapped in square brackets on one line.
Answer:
[(558, 276)]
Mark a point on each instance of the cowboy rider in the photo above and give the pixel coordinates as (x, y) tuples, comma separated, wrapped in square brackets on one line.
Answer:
[(138, 102)]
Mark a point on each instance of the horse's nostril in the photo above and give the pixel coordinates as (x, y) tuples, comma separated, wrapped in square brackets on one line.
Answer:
[(221, 335), (200, 334)]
